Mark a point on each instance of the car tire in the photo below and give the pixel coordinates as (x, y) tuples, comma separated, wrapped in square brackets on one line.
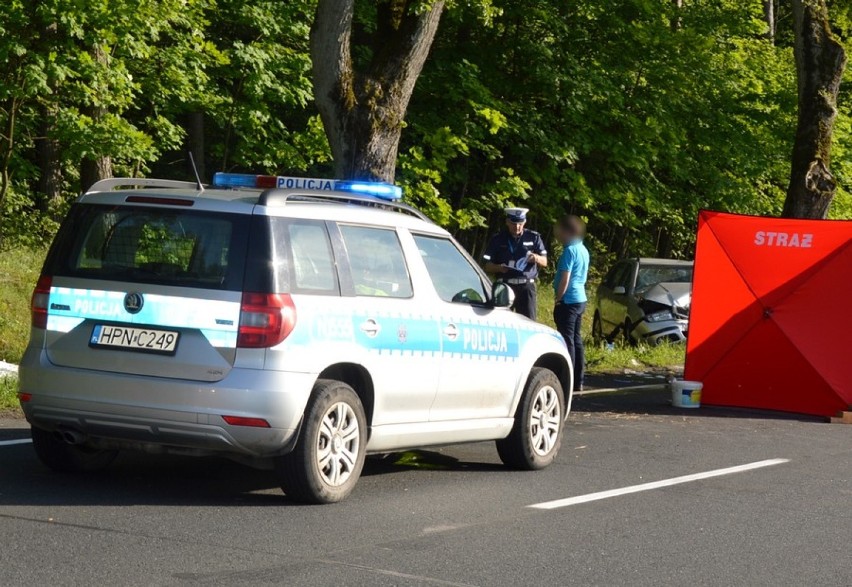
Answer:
[(62, 457), (597, 328), (328, 458), (537, 433), (628, 337)]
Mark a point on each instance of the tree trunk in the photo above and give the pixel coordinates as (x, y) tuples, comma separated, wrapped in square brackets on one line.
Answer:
[(48, 152), (820, 62), (97, 166), (363, 111), (93, 170), (769, 17), (7, 140)]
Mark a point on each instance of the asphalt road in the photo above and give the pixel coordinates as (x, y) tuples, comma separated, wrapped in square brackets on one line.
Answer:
[(455, 516)]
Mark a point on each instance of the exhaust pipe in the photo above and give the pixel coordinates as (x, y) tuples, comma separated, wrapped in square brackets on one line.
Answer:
[(71, 436)]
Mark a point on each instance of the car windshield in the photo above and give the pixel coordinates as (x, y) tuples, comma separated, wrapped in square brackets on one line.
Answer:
[(651, 274)]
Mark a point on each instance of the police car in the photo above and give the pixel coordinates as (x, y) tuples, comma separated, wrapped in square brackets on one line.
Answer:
[(288, 323)]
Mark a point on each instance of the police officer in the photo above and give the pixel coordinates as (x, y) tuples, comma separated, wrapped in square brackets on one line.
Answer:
[(515, 255)]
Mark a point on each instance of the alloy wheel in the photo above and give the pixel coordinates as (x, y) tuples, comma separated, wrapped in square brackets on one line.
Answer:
[(545, 419), (338, 444)]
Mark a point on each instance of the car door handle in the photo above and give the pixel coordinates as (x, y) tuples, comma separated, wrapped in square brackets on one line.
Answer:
[(451, 331), (371, 328)]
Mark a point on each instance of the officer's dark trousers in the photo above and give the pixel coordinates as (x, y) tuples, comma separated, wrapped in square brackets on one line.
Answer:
[(525, 299), (569, 319)]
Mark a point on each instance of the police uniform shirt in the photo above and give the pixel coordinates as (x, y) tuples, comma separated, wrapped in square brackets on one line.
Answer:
[(505, 250)]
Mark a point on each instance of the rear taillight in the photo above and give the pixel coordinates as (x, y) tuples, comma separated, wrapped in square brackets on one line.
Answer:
[(265, 320), (243, 421), (40, 300)]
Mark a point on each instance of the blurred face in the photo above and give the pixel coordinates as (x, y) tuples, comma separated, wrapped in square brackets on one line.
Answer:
[(563, 234), (516, 229)]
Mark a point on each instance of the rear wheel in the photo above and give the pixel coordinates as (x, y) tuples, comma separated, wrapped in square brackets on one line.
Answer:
[(60, 456), (329, 456), (537, 433)]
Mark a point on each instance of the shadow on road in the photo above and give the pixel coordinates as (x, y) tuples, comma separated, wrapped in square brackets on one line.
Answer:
[(658, 402), (138, 479)]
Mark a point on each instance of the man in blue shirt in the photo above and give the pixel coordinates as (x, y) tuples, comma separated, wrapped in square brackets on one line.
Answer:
[(515, 255), (569, 287)]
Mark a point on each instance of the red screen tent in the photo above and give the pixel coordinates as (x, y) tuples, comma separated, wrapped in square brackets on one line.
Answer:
[(771, 319)]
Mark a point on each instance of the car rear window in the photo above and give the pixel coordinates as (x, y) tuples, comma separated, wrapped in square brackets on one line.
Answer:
[(152, 245)]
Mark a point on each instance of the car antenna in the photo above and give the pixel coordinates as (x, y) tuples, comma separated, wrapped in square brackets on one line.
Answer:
[(195, 171)]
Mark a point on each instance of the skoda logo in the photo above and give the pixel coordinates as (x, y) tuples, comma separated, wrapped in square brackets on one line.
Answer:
[(133, 303)]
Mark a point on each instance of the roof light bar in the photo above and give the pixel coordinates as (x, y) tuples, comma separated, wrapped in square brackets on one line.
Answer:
[(385, 191), (381, 190)]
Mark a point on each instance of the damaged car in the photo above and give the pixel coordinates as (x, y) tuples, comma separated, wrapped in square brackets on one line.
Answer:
[(644, 300)]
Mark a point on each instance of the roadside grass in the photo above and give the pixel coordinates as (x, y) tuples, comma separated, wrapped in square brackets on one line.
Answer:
[(601, 359), (666, 356), (19, 270), (9, 393)]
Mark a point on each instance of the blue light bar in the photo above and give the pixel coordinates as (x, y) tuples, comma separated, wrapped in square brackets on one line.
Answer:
[(381, 190), (384, 191), (234, 180)]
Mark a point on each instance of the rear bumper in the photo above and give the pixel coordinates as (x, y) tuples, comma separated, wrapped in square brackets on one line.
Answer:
[(150, 412)]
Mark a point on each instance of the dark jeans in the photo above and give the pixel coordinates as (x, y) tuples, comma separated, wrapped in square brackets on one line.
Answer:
[(525, 299), (569, 318)]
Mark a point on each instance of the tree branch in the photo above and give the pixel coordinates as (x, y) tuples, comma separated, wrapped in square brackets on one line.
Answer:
[(399, 61)]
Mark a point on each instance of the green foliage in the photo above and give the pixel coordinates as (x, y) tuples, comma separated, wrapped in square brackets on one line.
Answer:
[(24, 226), (606, 110), (264, 114), (162, 245), (8, 393), (19, 270), (633, 114)]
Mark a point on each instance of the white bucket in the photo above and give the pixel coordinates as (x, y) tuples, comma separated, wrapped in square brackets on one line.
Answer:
[(686, 394)]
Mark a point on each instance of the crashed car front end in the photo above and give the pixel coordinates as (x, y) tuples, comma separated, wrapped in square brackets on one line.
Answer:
[(664, 310)]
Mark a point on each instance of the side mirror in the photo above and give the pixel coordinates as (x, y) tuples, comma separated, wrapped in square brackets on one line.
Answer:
[(619, 290), (468, 296), (502, 295)]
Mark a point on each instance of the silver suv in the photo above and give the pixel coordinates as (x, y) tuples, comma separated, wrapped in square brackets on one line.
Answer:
[(287, 323)]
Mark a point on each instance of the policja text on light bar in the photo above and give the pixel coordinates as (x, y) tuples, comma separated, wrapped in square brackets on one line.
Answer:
[(381, 190)]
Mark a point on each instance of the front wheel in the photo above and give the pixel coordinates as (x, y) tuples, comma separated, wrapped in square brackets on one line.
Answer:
[(597, 329), (629, 341), (60, 456), (537, 433), (329, 456)]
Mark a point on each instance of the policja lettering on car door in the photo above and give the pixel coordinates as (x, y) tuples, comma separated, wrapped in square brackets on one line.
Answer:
[(468, 388)]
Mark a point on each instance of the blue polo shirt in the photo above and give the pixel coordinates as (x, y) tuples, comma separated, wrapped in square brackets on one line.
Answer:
[(575, 260)]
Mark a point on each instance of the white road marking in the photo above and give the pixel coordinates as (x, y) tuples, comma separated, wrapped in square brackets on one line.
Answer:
[(16, 441), (396, 574), (649, 387), (560, 503)]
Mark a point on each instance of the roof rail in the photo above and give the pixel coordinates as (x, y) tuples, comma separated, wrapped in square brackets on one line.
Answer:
[(280, 196), (106, 185)]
